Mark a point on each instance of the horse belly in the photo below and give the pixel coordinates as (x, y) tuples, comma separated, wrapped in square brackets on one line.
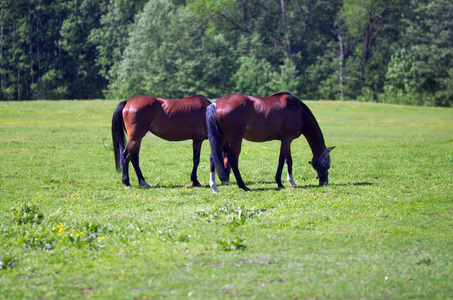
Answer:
[(172, 131), (260, 134)]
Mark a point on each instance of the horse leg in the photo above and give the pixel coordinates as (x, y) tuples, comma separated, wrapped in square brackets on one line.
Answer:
[(212, 176), (196, 161), (132, 154), (234, 162), (138, 171), (125, 167), (289, 164), (281, 161), (226, 153)]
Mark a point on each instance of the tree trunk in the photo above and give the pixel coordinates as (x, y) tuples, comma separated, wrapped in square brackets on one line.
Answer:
[(120, 52), (38, 46), (244, 12), (373, 26), (1, 48), (285, 31), (341, 65), (30, 44), (306, 18), (16, 60), (367, 49)]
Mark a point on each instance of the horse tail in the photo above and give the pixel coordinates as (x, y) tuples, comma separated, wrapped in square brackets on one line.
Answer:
[(214, 140), (118, 136)]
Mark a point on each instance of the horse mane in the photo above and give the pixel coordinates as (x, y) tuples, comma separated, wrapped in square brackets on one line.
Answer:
[(282, 93), (197, 96), (305, 108)]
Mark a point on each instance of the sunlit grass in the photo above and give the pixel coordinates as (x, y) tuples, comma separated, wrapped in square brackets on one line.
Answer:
[(381, 229)]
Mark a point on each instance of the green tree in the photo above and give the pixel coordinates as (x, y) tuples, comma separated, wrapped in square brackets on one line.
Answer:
[(365, 20), (421, 68), (50, 59), (372, 50), (15, 59), (111, 38), (44, 53), (286, 79), (403, 84), (80, 71), (254, 76), (370, 29), (429, 38), (169, 55)]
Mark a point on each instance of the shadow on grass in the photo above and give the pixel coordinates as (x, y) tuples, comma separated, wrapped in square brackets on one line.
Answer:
[(309, 186), (175, 186), (337, 184), (272, 186)]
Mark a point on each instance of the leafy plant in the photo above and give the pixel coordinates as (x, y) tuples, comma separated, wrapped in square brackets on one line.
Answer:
[(28, 213), (231, 244), (92, 236), (7, 261)]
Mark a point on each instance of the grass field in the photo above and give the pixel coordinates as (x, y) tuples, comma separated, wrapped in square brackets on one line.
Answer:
[(381, 229)]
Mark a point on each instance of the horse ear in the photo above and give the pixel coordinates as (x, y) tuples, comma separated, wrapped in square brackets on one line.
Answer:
[(330, 149)]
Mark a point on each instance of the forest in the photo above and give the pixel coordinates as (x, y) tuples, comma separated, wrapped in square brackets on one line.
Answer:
[(392, 51)]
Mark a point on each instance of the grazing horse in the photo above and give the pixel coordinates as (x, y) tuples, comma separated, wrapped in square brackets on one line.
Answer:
[(169, 119), (281, 116)]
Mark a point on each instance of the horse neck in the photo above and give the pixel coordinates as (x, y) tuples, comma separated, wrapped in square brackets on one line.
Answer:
[(313, 134)]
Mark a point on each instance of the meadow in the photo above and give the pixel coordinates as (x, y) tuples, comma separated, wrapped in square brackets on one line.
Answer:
[(381, 229)]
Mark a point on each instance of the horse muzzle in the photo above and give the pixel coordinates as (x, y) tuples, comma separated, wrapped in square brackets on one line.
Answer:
[(225, 179), (323, 179)]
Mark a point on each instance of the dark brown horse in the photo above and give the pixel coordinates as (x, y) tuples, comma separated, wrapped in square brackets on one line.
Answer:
[(280, 116), (169, 119)]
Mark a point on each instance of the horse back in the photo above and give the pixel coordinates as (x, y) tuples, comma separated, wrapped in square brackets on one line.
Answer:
[(137, 110), (169, 119), (260, 119), (195, 104)]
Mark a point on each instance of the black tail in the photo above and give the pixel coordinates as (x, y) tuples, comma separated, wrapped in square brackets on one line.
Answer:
[(119, 140), (214, 140)]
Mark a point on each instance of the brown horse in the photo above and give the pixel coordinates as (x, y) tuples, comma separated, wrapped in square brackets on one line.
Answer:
[(280, 116), (169, 119)]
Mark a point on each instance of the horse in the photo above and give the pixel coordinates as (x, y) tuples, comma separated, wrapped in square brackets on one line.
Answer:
[(169, 119), (281, 116)]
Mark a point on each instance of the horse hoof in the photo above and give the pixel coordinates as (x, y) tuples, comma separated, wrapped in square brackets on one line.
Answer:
[(246, 189), (127, 187), (144, 184), (224, 183), (196, 184), (292, 183)]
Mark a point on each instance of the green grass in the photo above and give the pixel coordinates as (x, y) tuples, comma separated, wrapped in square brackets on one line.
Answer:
[(382, 228)]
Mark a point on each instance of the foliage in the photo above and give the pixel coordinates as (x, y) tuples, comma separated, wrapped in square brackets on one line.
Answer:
[(402, 80), (287, 79), (175, 60), (85, 49), (111, 37), (27, 214), (6, 261), (428, 42), (254, 76), (231, 244)]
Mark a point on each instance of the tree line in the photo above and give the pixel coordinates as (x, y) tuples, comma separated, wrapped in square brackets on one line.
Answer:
[(396, 51)]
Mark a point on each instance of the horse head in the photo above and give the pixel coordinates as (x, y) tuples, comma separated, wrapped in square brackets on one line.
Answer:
[(322, 165)]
